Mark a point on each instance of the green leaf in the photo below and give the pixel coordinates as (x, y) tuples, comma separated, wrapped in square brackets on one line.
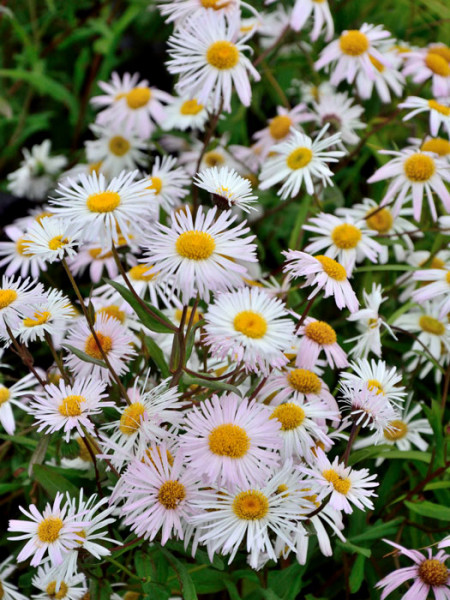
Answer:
[(434, 416), (161, 324), (357, 574), (53, 482), (353, 548), (156, 354), (303, 209), (377, 531), (385, 268), (220, 386), (39, 453), (406, 455), (430, 510), (186, 583), (366, 453), (83, 356)]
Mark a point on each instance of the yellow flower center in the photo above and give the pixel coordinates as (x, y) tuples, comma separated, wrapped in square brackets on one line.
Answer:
[(191, 107), (213, 159), (440, 108), (103, 202), (57, 242), (304, 381), (91, 347), (7, 297), (84, 453), (374, 384), (71, 406), (195, 245), (332, 268), (282, 489), (431, 325), (340, 484), (396, 431), (381, 221), (156, 185), (113, 312), (299, 158), (354, 43), (141, 273), (215, 4), (130, 421), (95, 167), (437, 145), (377, 64), (251, 324), (138, 97), (280, 126), (289, 415), (158, 450), (171, 493), (197, 316), (443, 51), (4, 394), (437, 64), (250, 506), (58, 595), (222, 55), (118, 145), (433, 572), (39, 319), (48, 529), (229, 440), (22, 247), (346, 236), (321, 333)]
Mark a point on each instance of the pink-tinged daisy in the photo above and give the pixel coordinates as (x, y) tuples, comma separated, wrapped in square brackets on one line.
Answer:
[(114, 339), (430, 63), (318, 336), (158, 495), (227, 518), (348, 241), (338, 110), (142, 422), (168, 183), (417, 172), (15, 298), (280, 127), (351, 53), (319, 11), (69, 407), (300, 160), (325, 274), (387, 80), (439, 113), (422, 260), (347, 486), (230, 442), (97, 259), (228, 189), (300, 426), (210, 60), (184, 113), (55, 530), (105, 210), (11, 395), (437, 286), (201, 254), (53, 584), (178, 11), (51, 239), (252, 326), (16, 256), (131, 103), (429, 574), (9, 590)]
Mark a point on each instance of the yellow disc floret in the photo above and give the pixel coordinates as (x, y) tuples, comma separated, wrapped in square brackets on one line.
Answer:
[(251, 324), (222, 55), (304, 381), (141, 273), (280, 126), (48, 529), (57, 595), (191, 107), (332, 268), (290, 416), (71, 406), (138, 97), (354, 43), (346, 236), (437, 64), (130, 421), (321, 333), (156, 185), (4, 394), (299, 158), (229, 440), (92, 348), (433, 572), (40, 318), (195, 245), (7, 297), (431, 325), (440, 108), (103, 202), (437, 145), (395, 431), (118, 145), (171, 493), (340, 484), (251, 506)]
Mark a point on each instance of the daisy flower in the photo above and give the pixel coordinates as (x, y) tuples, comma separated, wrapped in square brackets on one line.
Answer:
[(338, 110), (9, 590), (298, 160), (209, 59), (201, 254), (179, 10), (47, 316), (97, 259), (377, 376), (369, 323), (342, 239), (143, 421), (385, 77), (114, 339), (429, 574), (437, 145), (69, 407), (116, 150), (324, 273), (422, 260), (437, 285), (321, 16), (48, 580), (55, 530), (11, 395), (37, 172), (184, 112), (439, 113), (347, 486), (158, 495), (430, 63), (252, 326), (315, 337), (229, 442), (50, 239), (17, 257), (130, 103), (99, 207), (15, 298), (168, 183), (351, 52), (280, 127), (417, 172), (228, 189)]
